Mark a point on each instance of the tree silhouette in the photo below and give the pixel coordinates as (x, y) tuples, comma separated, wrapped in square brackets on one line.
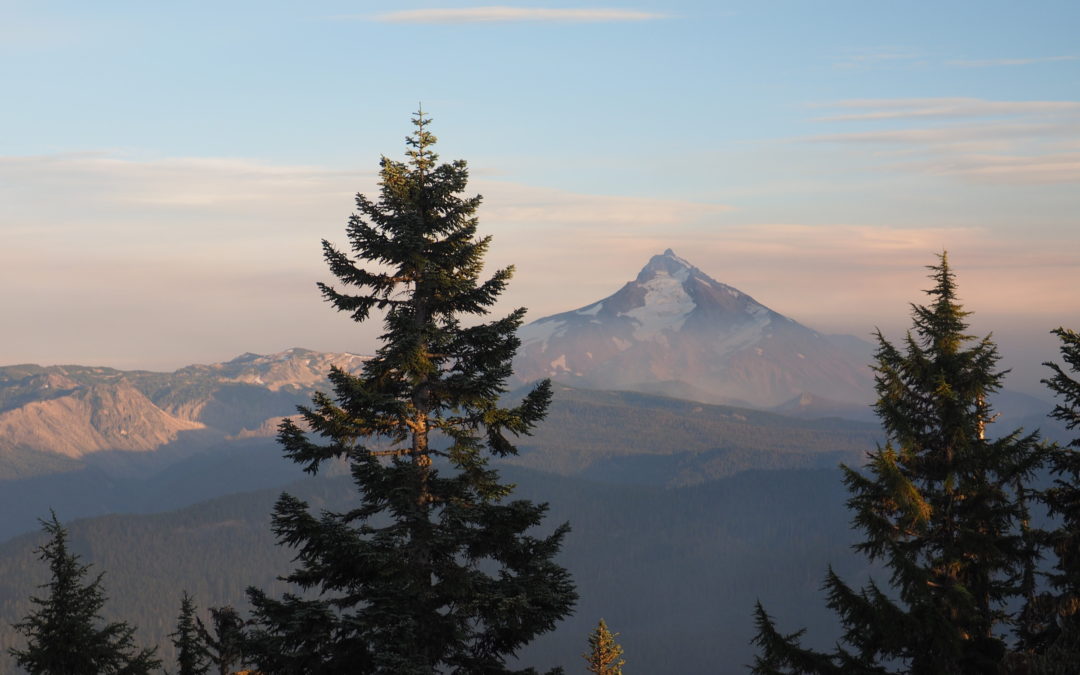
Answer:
[(66, 633)]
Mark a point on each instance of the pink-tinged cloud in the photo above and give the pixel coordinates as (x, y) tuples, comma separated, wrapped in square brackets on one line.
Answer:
[(502, 14), (1036, 144)]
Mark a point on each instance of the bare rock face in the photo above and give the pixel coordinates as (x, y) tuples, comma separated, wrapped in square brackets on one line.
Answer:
[(83, 419), (291, 369), (77, 410), (676, 331)]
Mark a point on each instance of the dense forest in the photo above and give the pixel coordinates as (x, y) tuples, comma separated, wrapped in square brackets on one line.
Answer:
[(676, 571)]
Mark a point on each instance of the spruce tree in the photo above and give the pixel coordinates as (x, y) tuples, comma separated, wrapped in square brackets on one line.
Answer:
[(436, 570), (66, 634), (1057, 649), (605, 654), (940, 505), (192, 657)]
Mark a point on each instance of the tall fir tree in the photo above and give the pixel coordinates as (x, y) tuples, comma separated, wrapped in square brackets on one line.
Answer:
[(605, 654), (1057, 649), (192, 657), (940, 505), (436, 570), (66, 634)]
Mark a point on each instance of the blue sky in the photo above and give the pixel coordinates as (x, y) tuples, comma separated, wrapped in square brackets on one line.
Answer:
[(167, 170)]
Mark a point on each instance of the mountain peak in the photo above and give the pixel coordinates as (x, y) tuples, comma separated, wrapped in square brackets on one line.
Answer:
[(675, 326), (666, 263)]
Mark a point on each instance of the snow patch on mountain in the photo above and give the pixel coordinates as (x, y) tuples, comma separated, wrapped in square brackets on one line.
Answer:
[(667, 305), (541, 331), (742, 335)]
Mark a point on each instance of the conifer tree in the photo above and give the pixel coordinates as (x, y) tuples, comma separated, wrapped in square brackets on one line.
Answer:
[(1057, 650), (66, 634), (605, 654), (192, 657), (940, 505), (225, 643), (436, 570)]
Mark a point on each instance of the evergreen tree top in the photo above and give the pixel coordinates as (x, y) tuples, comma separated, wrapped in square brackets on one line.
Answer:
[(420, 155), (605, 654), (941, 325)]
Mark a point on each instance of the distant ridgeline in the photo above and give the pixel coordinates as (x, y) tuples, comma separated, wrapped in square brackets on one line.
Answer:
[(737, 492), (73, 411)]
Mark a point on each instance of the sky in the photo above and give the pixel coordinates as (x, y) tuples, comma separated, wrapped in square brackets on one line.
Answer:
[(168, 170)]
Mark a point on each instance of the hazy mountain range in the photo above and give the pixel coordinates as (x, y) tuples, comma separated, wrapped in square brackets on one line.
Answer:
[(685, 507), (74, 411)]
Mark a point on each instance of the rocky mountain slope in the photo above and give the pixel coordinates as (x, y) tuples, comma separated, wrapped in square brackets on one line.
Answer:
[(675, 330), (74, 411)]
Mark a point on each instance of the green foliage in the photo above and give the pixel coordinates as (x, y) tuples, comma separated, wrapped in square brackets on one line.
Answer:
[(1057, 645), (943, 508), (64, 635), (192, 657), (605, 654), (435, 570)]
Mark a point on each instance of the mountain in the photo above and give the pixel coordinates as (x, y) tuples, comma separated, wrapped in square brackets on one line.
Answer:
[(676, 331), (77, 411), (57, 414)]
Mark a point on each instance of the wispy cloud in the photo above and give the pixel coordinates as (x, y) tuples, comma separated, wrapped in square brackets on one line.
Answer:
[(908, 108), (1012, 169), (864, 59), (894, 57), (834, 277), (222, 254), (989, 63), (168, 261), (502, 14), (1015, 142)]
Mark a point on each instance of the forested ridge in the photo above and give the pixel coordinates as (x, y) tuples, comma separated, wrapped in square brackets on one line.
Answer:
[(675, 570)]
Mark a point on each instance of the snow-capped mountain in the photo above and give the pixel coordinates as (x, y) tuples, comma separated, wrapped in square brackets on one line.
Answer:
[(675, 330)]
